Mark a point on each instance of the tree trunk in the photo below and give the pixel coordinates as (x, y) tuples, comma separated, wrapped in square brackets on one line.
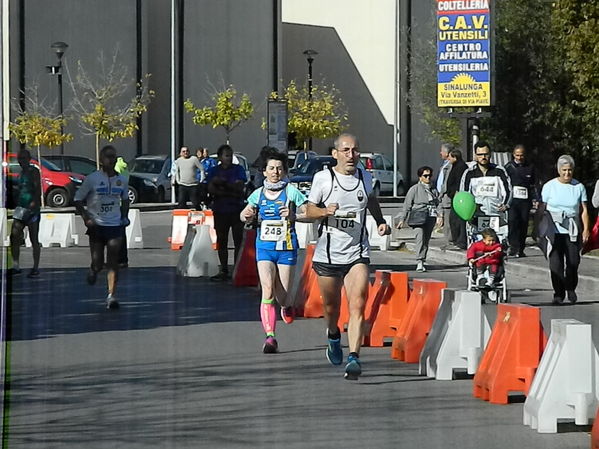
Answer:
[(97, 151)]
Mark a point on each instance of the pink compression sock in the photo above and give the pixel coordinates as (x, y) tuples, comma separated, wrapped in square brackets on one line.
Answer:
[(268, 315)]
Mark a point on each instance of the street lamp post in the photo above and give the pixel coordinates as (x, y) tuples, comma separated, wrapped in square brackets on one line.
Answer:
[(59, 48), (310, 57)]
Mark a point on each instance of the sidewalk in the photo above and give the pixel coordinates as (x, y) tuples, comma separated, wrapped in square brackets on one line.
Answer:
[(533, 264)]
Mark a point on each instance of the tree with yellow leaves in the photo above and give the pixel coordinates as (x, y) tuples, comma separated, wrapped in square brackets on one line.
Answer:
[(227, 112), (101, 104), (321, 115), (35, 126)]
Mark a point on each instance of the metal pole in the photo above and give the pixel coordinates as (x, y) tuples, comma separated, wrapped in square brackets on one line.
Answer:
[(60, 104), (173, 96), (310, 60), (396, 100)]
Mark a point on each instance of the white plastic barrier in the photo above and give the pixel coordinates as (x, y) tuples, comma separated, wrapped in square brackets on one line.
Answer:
[(566, 383), (55, 229), (4, 234), (197, 257), (374, 239), (133, 231), (306, 233), (458, 336)]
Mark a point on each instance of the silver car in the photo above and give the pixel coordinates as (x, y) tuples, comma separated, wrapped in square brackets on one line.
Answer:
[(381, 169)]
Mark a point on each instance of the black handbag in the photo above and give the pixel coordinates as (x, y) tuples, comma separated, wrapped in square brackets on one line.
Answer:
[(418, 217)]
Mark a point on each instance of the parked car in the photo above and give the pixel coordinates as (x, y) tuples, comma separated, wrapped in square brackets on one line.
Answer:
[(302, 178), (75, 164), (58, 186), (149, 178), (381, 169), (297, 158)]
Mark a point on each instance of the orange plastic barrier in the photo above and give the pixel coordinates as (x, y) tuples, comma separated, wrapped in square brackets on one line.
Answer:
[(418, 320), (245, 273), (179, 228), (307, 281), (313, 307), (595, 433), (386, 310), (512, 354)]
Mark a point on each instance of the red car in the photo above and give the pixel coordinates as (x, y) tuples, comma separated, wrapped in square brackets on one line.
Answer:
[(58, 186)]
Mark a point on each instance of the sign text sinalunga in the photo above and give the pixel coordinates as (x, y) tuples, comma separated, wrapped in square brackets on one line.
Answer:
[(463, 53)]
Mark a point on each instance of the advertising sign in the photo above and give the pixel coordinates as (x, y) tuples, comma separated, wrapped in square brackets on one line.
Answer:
[(463, 53), (277, 124)]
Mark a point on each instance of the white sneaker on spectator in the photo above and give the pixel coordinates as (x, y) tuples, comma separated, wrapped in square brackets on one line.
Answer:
[(420, 266)]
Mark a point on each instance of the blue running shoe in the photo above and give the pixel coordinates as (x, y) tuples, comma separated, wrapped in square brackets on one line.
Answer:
[(353, 369), (334, 351)]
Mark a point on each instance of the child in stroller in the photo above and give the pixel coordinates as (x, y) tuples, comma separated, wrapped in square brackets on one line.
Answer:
[(486, 271)]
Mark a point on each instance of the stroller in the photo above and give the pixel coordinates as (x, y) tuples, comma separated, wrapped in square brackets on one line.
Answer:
[(497, 292)]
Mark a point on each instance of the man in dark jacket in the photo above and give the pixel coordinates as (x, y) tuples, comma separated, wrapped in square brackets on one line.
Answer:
[(524, 191), (458, 226)]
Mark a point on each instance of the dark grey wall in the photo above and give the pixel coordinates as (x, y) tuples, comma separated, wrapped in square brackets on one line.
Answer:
[(156, 57), (333, 65), (223, 41), (228, 42), (88, 27)]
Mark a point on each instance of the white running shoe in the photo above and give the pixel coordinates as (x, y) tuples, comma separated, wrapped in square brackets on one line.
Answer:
[(420, 266), (111, 302)]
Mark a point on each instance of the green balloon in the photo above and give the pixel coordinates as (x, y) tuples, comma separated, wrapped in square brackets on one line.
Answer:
[(464, 205)]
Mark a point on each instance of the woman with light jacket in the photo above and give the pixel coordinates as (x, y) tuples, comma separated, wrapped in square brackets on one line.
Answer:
[(566, 228), (420, 212)]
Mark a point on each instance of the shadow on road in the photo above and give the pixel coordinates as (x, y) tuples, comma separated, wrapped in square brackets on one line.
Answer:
[(61, 302)]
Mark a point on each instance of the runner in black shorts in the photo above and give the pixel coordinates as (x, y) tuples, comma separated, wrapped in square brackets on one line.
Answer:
[(105, 194), (27, 213), (340, 197)]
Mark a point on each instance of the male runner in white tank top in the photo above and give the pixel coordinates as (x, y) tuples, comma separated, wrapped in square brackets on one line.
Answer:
[(340, 197)]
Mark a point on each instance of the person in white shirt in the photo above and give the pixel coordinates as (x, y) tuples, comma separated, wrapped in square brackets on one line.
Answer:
[(105, 194), (340, 197), (565, 201), (186, 177)]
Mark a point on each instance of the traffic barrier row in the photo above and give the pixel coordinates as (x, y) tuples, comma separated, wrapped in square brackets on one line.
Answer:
[(446, 330), (60, 230)]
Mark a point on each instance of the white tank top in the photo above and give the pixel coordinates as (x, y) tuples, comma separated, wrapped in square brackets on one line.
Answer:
[(342, 239)]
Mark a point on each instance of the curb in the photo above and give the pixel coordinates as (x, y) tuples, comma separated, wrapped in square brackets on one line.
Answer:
[(513, 267)]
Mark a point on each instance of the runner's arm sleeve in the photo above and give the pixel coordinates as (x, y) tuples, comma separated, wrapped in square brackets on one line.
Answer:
[(375, 210), (84, 190), (296, 197), (254, 197)]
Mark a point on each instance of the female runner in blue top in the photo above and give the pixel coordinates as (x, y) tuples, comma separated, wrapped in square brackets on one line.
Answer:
[(274, 206)]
